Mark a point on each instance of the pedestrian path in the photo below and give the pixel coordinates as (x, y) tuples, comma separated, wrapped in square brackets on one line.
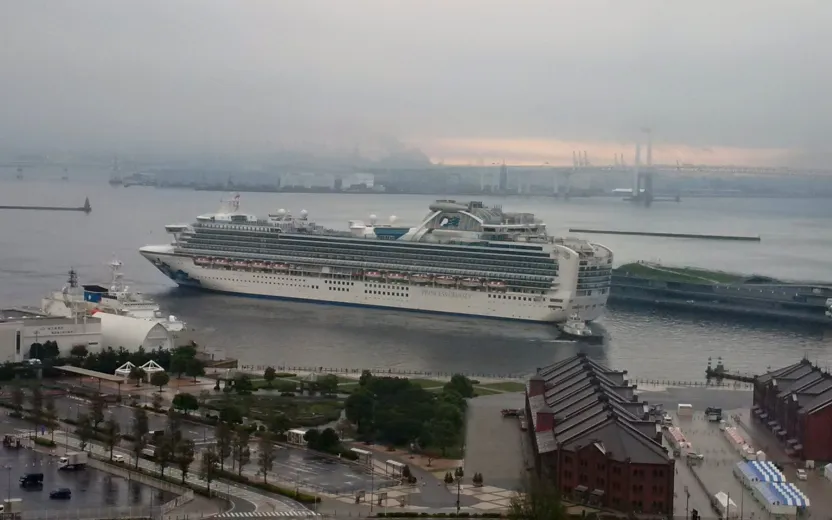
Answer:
[(269, 514)]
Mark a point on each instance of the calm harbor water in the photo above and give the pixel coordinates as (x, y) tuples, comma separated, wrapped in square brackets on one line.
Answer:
[(39, 247)]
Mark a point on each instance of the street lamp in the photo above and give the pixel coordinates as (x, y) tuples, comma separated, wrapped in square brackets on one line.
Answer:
[(458, 474), (9, 473)]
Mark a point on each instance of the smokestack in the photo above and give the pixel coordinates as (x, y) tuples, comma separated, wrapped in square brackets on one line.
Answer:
[(586, 161), (574, 160), (615, 161), (649, 148)]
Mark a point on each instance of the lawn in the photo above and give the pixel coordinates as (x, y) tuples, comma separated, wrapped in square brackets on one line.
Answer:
[(505, 386), (480, 391), (427, 383)]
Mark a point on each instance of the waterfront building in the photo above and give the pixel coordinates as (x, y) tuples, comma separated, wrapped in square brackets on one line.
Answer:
[(795, 403), (594, 439), (19, 330)]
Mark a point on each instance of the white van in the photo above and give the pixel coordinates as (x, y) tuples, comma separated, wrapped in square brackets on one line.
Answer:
[(684, 410)]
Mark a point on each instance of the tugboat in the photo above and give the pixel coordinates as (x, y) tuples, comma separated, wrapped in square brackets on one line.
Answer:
[(577, 329)]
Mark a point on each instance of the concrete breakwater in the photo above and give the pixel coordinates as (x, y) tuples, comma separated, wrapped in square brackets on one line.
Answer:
[(86, 208), (667, 235)]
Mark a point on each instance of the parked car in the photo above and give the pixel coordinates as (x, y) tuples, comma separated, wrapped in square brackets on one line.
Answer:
[(801, 474), (61, 493), (119, 459)]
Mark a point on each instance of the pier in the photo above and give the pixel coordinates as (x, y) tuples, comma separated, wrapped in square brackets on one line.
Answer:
[(86, 208), (720, 373), (666, 235)]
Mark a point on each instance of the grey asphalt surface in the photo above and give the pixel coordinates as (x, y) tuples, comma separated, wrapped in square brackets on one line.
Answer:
[(71, 407), (90, 488)]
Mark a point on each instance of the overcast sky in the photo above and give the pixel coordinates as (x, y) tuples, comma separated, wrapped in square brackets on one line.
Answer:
[(752, 76)]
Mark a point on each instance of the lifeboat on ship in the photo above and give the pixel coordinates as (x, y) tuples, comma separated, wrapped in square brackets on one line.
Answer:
[(221, 262), (280, 267), (396, 277), (373, 275), (497, 285), (445, 280), (471, 282), (202, 261), (420, 278), (240, 264), (259, 265)]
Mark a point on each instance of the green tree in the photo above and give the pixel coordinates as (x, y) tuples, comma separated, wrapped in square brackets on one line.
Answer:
[(359, 408), (240, 449), (174, 429), (185, 454), (51, 350), (194, 368), (84, 429), (328, 441), (462, 385), (159, 379), (178, 365), (366, 377), (185, 402), (208, 466), (203, 398), (97, 410), (112, 432), (328, 384), (443, 434), (312, 437), (242, 384), (140, 428), (266, 453), (36, 351), (18, 398), (37, 403), (163, 454), (269, 375), (225, 438), (278, 423), (230, 414), (79, 351), (50, 415), (157, 402), (137, 374), (537, 499)]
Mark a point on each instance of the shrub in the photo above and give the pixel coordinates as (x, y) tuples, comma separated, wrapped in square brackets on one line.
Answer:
[(40, 441), (303, 498)]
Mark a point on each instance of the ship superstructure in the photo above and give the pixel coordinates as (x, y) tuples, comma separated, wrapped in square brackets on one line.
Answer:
[(462, 258), (115, 298)]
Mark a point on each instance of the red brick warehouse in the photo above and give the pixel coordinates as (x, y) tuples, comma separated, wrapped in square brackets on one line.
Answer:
[(795, 403), (595, 440)]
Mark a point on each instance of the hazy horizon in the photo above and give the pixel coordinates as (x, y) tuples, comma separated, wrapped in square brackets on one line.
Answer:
[(464, 81)]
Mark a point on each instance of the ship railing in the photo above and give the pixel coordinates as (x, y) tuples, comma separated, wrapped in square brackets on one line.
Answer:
[(396, 267), (511, 262)]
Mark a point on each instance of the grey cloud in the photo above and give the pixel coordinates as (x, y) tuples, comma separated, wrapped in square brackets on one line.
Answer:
[(249, 76)]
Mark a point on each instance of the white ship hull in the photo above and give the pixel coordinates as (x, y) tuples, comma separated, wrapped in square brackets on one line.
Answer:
[(412, 297)]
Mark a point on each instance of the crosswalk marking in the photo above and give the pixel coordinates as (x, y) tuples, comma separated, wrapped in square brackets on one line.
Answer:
[(270, 514)]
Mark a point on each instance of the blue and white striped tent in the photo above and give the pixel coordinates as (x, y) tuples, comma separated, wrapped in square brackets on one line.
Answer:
[(759, 471), (783, 493)]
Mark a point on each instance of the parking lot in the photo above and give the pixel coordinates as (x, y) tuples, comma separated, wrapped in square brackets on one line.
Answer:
[(90, 488), (295, 466)]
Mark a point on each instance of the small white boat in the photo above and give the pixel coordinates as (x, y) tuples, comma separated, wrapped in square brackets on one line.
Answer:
[(397, 277), (280, 267), (258, 265), (577, 328), (241, 264), (373, 275), (220, 261), (420, 278), (445, 280), (202, 261), (497, 285), (471, 282)]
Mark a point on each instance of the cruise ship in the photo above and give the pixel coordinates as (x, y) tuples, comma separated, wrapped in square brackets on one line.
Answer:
[(463, 258)]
